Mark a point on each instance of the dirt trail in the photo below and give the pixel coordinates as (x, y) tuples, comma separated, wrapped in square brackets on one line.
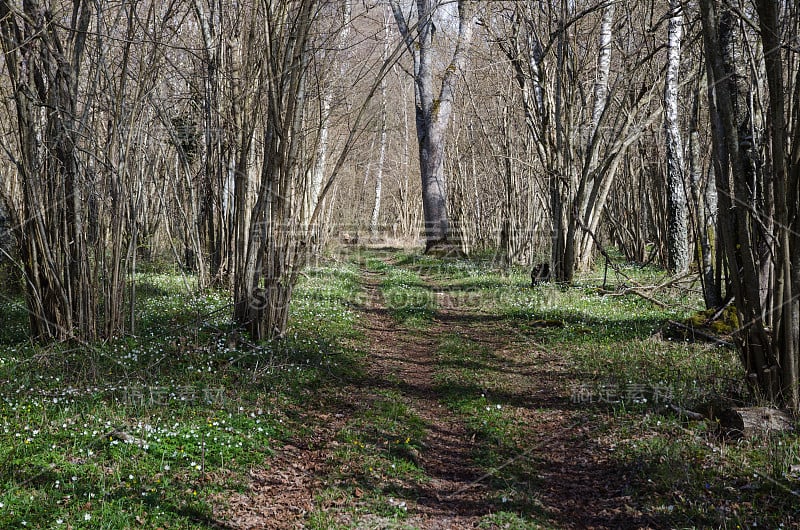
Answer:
[(455, 497), (576, 484)]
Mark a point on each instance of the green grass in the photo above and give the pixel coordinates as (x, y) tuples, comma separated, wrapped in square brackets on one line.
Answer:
[(408, 298), (622, 373), (373, 464), (203, 403)]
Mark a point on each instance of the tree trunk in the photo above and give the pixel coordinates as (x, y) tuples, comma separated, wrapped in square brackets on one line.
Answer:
[(433, 113), (704, 198), (786, 307), (742, 216), (43, 65), (376, 209), (677, 211)]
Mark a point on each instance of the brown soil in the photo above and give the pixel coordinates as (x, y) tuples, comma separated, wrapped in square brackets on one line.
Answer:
[(578, 484)]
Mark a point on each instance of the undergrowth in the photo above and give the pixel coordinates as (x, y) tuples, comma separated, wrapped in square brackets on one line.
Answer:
[(144, 431), (153, 429)]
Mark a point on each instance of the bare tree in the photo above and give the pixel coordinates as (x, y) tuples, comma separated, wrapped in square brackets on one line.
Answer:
[(433, 106), (268, 273), (376, 209), (43, 58), (758, 235)]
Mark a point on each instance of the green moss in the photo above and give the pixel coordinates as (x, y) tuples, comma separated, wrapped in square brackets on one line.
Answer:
[(725, 324)]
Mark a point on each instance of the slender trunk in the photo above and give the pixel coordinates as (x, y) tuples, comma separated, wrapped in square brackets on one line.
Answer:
[(376, 209), (677, 210), (786, 308), (704, 197), (586, 205), (327, 96)]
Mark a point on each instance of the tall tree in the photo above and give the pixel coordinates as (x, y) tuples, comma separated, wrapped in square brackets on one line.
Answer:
[(43, 56), (758, 235), (379, 170), (266, 277), (434, 104), (677, 208)]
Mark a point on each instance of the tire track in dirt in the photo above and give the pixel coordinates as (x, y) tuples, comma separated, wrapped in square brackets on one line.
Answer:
[(454, 497), (577, 483)]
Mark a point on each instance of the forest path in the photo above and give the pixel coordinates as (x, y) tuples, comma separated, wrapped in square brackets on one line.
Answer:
[(454, 496), (531, 459), (556, 471)]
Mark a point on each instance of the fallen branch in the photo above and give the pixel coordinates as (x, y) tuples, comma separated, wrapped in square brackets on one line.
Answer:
[(688, 413), (638, 292)]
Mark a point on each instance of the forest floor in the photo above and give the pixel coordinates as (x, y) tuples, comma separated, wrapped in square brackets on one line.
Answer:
[(412, 392), (557, 469), (509, 433)]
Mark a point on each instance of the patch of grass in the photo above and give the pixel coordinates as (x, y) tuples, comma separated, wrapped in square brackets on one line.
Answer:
[(374, 462), (611, 341), (324, 302), (147, 431), (509, 521), (472, 381), (683, 479), (408, 298)]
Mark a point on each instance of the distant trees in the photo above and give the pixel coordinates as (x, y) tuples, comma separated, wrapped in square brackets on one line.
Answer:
[(232, 150)]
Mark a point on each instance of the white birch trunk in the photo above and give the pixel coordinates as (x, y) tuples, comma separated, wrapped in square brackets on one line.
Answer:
[(677, 211), (376, 210), (603, 67)]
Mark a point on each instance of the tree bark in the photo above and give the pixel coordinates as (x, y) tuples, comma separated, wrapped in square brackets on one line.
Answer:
[(376, 209), (742, 216), (43, 64), (786, 307), (677, 210), (433, 111)]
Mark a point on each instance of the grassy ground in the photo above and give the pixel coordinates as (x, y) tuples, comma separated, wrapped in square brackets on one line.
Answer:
[(618, 375), (163, 429), (147, 431)]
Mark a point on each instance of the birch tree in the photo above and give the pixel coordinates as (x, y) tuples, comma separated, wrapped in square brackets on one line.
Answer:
[(376, 208), (677, 210)]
